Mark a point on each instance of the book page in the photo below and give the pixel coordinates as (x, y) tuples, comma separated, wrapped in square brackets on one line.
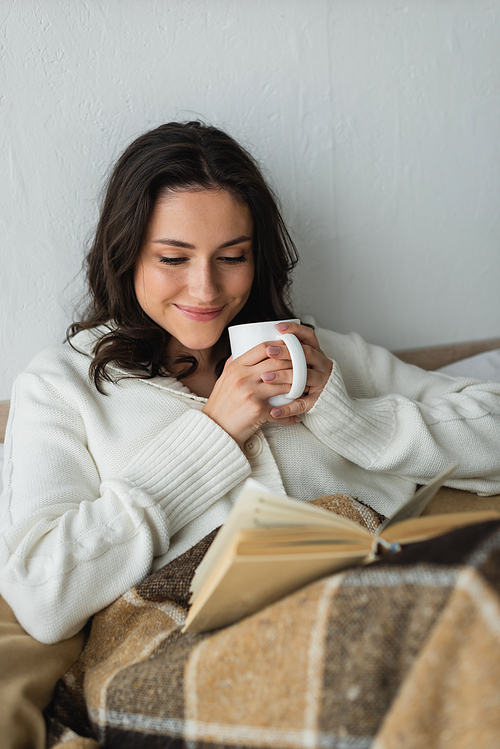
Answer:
[(419, 529), (291, 538), (303, 540), (257, 507)]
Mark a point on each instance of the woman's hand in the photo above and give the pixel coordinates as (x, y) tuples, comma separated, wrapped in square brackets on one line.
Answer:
[(319, 368), (239, 400)]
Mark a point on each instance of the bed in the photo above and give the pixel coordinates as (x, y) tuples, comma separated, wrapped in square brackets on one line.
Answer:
[(403, 653)]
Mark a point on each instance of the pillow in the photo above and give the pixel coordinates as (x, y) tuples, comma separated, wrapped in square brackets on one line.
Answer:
[(485, 366), (1, 464)]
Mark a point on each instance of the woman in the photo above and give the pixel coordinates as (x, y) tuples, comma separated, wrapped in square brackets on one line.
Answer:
[(131, 443)]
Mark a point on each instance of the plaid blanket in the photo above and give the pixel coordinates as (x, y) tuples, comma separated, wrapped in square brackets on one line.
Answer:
[(402, 653)]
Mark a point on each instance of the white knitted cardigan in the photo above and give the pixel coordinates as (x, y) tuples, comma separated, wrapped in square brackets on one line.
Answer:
[(101, 489)]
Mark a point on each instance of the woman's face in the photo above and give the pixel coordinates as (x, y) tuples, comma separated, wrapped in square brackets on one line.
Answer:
[(196, 267)]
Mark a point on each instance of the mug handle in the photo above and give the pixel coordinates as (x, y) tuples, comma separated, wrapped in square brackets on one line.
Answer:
[(299, 371)]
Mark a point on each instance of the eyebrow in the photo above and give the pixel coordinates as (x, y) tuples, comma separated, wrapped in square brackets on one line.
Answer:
[(187, 246)]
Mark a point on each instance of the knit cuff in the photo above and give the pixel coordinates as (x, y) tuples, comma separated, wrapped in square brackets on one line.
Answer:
[(190, 465), (357, 429)]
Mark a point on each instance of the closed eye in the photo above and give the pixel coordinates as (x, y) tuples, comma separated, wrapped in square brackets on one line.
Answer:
[(228, 260), (173, 260), (233, 260)]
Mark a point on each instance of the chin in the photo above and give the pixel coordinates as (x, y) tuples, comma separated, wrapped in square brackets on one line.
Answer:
[(199, 344)]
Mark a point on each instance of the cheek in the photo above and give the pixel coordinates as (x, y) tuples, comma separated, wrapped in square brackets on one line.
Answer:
[(245, 280), (153, 284)]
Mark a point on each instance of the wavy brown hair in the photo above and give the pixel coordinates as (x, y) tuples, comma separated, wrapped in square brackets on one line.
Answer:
[(175, 156)]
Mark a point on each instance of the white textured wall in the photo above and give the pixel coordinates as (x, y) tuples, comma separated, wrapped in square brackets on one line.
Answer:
[(378, 119)]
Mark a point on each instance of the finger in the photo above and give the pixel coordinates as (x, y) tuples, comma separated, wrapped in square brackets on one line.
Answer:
[(278, 350), (289, 420), (294, 408), (266, 350), (259, 353), (266, 390), (315, 379), (279, 377), (273, 365), (315, 358), (305, 334)]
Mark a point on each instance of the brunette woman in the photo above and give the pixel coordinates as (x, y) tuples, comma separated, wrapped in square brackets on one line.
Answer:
[(130, 443)]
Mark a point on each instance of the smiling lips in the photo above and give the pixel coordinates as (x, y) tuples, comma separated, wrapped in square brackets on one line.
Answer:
[(200, 314)]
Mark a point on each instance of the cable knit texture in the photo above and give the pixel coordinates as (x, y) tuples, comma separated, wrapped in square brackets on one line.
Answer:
[(101, 489)]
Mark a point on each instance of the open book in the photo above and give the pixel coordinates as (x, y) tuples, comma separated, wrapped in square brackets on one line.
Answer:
[(272, 545)]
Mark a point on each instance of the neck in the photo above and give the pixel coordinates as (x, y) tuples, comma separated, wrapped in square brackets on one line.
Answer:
[(207, 358), (202, 381)]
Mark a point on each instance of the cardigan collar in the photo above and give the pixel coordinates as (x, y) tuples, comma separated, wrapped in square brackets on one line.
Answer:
[(84, 343)]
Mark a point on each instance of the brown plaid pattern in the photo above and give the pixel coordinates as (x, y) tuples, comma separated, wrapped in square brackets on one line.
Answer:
[(401, 653)]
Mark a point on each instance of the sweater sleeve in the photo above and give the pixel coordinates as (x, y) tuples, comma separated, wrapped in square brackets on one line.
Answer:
[(388, 416), (71, 545)]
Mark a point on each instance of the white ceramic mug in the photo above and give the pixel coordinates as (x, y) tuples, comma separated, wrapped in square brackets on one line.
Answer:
[(245, 337)]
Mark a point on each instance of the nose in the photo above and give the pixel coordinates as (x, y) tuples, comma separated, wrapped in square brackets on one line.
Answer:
[(203, 283)]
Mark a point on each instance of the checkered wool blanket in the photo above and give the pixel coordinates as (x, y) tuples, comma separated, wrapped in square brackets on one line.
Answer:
[(404, 653)]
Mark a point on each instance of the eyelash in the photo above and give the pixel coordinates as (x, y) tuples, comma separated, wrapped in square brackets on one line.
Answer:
[(173, 261), (234, 260)]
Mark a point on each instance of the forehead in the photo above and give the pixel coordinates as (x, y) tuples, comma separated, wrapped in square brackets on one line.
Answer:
[(198, 212)]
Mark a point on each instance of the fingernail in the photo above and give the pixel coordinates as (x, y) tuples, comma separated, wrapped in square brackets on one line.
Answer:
[(268, 376), (297, 419), (275, 412), (282, 326), (273, 350)]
